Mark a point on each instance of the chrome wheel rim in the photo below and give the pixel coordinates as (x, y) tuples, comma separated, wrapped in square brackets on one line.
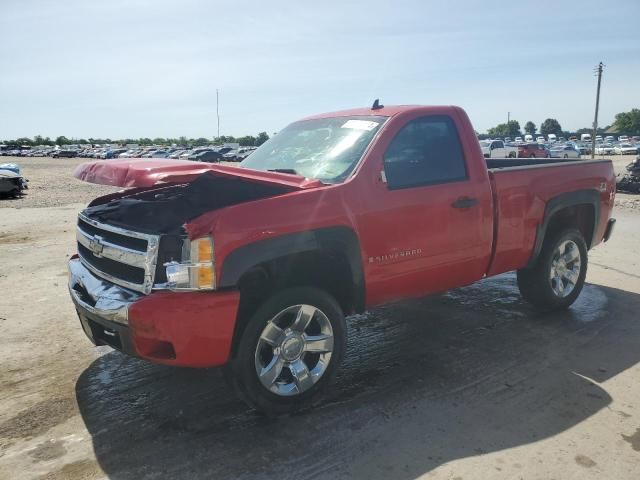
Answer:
[(294, 350), (565, 268)]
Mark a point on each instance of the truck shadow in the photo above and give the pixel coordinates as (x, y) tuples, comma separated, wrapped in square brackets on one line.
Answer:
[(424, 382)]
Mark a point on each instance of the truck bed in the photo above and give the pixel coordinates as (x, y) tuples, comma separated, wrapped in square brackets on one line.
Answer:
[(521, 189)]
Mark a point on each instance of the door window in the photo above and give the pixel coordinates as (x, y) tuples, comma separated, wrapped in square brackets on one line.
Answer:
[(425, 151)]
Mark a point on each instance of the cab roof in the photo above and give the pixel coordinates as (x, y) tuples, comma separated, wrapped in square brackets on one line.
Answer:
[(385, 111)]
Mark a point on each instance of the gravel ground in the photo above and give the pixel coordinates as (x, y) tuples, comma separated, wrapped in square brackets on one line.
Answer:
[(472, 384), (52, 184)]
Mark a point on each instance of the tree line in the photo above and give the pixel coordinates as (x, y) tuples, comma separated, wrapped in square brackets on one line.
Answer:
[(626, 123), (246, 141)]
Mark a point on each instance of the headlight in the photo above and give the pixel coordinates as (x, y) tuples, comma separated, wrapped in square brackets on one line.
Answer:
[(197, 272)]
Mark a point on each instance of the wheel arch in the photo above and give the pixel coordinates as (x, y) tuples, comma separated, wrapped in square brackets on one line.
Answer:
[(327, 258), (580, 209)]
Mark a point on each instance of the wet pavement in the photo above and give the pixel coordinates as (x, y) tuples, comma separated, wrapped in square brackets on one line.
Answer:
[(469, 384), (475, 365)]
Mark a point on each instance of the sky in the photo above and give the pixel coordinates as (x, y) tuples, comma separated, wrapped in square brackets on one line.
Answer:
[(138, 68)]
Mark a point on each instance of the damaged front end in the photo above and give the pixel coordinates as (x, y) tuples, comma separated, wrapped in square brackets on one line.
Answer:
[(137, 238), (12, 182), (138, 278)]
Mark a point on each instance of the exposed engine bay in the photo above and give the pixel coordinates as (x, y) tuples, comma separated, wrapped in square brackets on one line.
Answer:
[(165, 209)]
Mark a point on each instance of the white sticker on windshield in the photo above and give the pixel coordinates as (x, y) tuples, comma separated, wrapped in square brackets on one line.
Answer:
[(360, 124)]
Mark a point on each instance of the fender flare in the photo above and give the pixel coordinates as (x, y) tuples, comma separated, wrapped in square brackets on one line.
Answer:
[(562, 201), (342, 240)]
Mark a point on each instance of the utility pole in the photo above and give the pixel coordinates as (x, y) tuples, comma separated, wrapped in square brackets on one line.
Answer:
[(508, 123), (218, 111), (595, 120)]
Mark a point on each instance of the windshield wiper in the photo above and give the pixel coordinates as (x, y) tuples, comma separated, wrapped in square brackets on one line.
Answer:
[(284, 170)]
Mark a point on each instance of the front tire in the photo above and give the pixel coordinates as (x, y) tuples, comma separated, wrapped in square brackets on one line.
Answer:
[(289, 351), (557, 278)]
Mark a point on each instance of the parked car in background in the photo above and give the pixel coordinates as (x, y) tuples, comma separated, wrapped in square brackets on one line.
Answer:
[(585, 137), (115, 153), (604, 149), (552, 138), (565, 151), (528, 138), (64, 153), (209, 156), (244, 153), (540, 139), (230, 156), (609, 139), (518, 140), (625, 149), (189, 153), (224, 150), (582, 147), (177, 153), (159, 154), (498, 149), (623, 138), (533, 150), (12, 182)]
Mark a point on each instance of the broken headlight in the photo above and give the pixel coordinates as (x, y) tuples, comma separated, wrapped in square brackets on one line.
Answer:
[(196, 271)]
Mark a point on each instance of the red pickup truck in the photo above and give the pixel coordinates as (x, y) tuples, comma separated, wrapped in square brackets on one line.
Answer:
[(256, 266)]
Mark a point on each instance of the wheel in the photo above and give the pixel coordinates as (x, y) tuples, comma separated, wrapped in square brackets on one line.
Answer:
[(289, 351), (556, 279), (566, 156), (512, 155), (533, 155)]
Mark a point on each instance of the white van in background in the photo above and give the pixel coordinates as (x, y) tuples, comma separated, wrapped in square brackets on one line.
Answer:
[(528, 138), (585, 137), (552, 138)]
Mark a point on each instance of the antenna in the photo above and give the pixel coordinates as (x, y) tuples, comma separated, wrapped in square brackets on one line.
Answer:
[(376, 105)]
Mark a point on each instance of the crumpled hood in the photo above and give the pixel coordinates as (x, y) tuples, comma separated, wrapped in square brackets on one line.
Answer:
[(134, 172)]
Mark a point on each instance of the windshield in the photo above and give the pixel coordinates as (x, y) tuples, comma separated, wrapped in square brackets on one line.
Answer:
[(327, 149)]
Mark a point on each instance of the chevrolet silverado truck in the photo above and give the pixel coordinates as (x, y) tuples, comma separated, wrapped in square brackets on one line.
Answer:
[(256, 266)]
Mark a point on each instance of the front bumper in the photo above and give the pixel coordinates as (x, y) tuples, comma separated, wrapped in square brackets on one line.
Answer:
[(193, 329)]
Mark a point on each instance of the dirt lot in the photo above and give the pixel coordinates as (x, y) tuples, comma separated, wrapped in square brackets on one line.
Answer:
[(468, 385)]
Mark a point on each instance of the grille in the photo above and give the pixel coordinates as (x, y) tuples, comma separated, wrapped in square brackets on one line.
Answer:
[(124, 257)]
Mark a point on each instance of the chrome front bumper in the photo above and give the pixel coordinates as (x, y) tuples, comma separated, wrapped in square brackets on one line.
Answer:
[(98, 297)]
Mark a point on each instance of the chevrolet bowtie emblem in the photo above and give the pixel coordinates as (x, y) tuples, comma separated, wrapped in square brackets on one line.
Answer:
[(96, 246)]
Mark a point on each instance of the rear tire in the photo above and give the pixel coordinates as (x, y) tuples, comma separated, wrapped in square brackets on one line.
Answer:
[(289, 351), (557, 278)]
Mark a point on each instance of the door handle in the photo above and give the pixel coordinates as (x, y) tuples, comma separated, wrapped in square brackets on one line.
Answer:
[(465, 202)]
